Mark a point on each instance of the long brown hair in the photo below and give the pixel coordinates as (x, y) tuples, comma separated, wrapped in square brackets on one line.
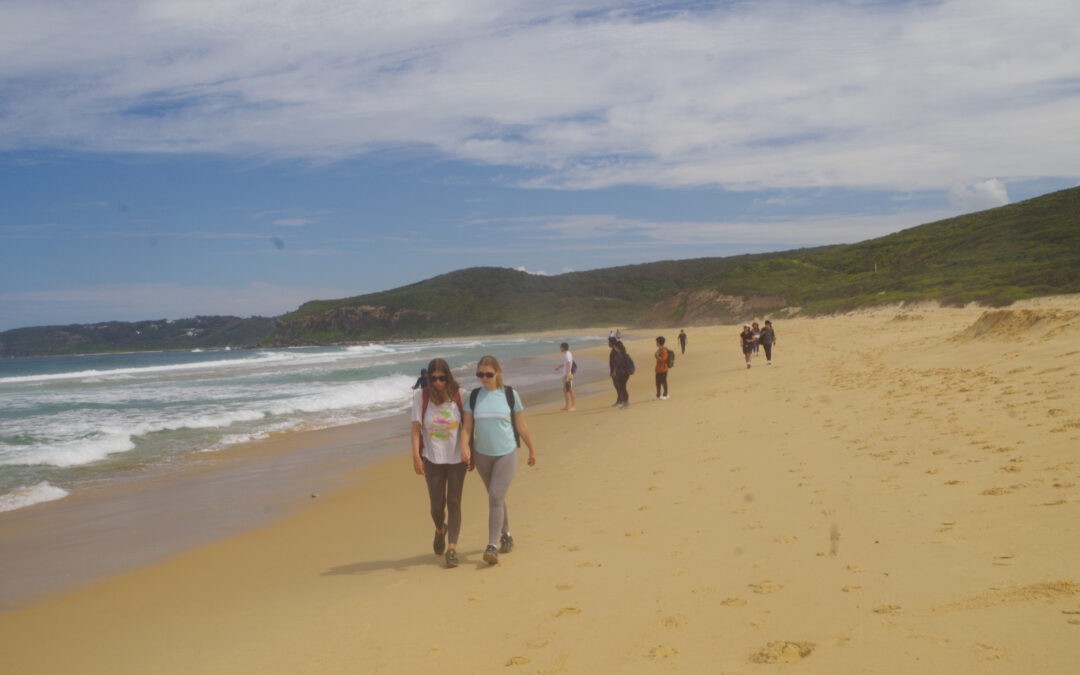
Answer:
[(494, 363), (439, 397)]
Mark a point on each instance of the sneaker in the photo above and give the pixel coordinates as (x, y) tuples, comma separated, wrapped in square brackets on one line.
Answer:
[(451, 558), (440, 542), (748, 365), (506, 544), (768, 363), (664, 398), (656, 398), (491, 555), (626, 404)]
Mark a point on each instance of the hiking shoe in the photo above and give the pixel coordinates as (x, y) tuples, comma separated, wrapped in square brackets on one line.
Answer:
[(451, 558), (440, 542), (506, 544), (491, 555)]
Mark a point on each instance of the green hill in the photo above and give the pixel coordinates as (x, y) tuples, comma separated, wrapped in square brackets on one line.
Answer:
[(993, 257)]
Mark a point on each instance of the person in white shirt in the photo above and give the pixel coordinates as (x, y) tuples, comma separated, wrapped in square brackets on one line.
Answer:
[(567, 366), (436, 421)]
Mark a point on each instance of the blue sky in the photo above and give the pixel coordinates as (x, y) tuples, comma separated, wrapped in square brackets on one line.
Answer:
[(166, 159)]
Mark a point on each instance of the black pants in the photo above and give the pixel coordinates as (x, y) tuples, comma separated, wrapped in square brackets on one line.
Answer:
[(661, 380), (767, 346), (445, 483), (620, 387)]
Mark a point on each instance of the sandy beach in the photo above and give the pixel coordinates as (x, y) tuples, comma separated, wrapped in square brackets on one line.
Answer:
[(899, 492)]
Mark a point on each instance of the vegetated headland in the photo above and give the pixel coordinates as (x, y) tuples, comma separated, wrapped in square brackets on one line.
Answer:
[(993, 257)]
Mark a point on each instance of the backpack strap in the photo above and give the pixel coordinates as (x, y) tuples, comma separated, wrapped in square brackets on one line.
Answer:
[(423, 414), (513, 421)]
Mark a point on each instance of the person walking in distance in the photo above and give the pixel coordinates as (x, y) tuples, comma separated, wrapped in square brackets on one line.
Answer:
[(756, 330), (494, 411), (624, 368), (682, 341), (613, 356), (662, 367), (567, 366), (767, 340), (436, 421), (746, 342)]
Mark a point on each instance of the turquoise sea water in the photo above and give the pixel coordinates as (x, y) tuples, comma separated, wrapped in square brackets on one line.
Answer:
[(68, 420)]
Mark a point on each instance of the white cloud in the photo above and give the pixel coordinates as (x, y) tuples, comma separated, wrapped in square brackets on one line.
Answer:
[(979, 196), (584, 94), (609, 231), (293, 222)]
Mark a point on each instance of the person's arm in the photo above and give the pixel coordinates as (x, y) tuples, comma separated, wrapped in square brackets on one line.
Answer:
[(417, 462), (463, 438), (523, 431)]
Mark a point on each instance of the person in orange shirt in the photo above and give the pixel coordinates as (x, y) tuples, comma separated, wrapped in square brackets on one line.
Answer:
[(661, 369)]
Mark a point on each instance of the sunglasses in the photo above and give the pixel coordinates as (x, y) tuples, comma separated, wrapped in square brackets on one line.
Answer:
[(437, 378), (484, 375)]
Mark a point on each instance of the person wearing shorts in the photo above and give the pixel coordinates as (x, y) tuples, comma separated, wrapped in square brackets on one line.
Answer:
[(746, 342), (567, 366)]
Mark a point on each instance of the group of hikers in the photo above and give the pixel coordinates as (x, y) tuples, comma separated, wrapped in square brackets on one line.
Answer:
[(452, 436)]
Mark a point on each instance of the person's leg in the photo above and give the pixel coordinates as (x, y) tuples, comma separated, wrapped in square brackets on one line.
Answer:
[(455, 484), (624, 393), (497, 473), (768, 352), (663, 381), (659, 380), (436, 475)]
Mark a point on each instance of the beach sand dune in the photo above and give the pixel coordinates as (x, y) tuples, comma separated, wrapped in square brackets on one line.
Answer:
[(898, 493)]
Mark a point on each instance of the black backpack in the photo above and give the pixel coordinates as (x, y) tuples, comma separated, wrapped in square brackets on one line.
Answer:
[(475, 393), (670, 357)]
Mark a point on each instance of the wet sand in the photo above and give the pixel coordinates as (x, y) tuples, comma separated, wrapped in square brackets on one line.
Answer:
[(897, 493)]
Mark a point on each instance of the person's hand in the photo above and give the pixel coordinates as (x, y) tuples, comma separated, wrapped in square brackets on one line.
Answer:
[(532, 458), (417, 464), (466, 456)]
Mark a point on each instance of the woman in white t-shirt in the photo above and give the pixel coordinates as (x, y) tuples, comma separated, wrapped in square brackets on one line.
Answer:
[(436, 422)]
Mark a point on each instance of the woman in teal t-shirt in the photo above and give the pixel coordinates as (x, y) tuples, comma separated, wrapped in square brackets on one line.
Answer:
[(495, 447)]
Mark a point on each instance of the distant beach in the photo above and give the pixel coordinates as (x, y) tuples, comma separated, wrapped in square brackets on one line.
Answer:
[(899, 492)]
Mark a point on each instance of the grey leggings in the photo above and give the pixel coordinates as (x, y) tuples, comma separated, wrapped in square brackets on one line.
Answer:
[(444, 484), (496, 472)]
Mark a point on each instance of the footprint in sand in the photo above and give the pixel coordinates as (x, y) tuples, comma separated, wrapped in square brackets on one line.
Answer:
[(661, 652), (786, 539), (673, 621), (517, 661), (563, 587), (538, 643), (766, 587), (783, 651), (634, 533), (568, 611), (570, 547), (851, 589), (996, 491), (733, 602), (889, 609)]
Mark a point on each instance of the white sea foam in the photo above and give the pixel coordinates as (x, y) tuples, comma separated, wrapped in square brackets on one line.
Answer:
[(28, 496)]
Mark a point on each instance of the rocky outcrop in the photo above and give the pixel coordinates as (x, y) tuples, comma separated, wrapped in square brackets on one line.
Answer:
[(708, 307)]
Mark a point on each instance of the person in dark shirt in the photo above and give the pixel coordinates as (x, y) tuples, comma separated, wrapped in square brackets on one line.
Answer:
[(682, 341), (421, 382), (746, 341), (767, 340)]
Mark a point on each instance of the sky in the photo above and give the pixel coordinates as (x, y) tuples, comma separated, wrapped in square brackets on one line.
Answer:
[(166, 159)]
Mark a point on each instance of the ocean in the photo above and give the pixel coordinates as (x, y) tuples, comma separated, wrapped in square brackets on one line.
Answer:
[(69, 421)]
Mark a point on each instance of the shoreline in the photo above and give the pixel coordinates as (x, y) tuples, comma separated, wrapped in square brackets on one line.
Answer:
[(117, 524), (897, 493)]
